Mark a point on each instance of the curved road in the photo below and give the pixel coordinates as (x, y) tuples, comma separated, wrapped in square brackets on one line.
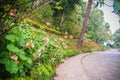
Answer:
[(100, 66)]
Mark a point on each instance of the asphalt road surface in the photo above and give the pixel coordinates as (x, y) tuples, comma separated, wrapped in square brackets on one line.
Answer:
[(99, 66)]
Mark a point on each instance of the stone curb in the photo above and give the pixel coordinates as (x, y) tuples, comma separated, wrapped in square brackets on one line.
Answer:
[(84, 56)]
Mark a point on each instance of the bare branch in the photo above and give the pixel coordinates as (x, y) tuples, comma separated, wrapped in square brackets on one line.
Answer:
[(108, 5)]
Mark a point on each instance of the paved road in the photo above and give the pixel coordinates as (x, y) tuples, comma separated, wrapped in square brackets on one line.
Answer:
[(100, 66), (103, 66)]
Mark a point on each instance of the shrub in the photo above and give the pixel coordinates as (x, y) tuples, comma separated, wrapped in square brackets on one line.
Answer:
[(86, 49), (17, 57), (89, 46), (69, 53), (44, 72), (43, 27), (28, 53)]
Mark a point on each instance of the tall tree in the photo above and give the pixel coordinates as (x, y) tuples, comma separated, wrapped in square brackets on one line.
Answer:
[(85, 23), (116, 38), (62, 8), (98, 30), (116, 6)]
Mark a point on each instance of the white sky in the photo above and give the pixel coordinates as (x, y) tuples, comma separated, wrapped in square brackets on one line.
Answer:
[(110, 17)]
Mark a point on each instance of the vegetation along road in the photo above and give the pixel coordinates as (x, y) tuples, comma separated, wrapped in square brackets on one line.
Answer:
[(100, 66)]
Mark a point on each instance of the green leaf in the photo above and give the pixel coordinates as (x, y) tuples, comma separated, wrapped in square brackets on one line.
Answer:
[(12, 38), (20, 67), (22, 42), (11, 66), (22, 57), (4, 61), (21, 54), (4, 55), (15, 30), (96, 4), (44, 70), (12, 48), (29, 60), (59, 7)]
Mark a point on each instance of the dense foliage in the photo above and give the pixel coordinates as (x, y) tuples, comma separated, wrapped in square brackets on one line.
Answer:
[(13, 11), (70, 21), (26, 51), (26, 48), (36, 36), (116, 7)]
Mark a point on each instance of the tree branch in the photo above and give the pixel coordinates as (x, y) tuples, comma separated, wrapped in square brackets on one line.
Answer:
[(108, 5)]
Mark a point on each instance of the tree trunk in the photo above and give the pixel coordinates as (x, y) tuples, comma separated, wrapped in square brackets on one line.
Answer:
[(85, 23), (62, 19), (61, 22)]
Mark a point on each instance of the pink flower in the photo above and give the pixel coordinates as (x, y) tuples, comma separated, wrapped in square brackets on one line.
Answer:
[(56, 40), (71, 37), (30, 44), (38, 64), (36, 55), (33, 26), (65, 36), (11, 12), (47, 23), (65, 47), (14, 57), (61, 39), (46, 39), (66, 32), (42, 49), (57, 46)]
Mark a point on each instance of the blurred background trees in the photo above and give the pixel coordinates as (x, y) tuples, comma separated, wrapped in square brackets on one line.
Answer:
[(98, 29), (116, 39)]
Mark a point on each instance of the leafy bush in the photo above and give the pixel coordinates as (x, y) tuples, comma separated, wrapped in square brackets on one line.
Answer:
[(31, 53), (69, 53), (44, 72), (17, 57), (89, 46), (86, 49), (103, 48)]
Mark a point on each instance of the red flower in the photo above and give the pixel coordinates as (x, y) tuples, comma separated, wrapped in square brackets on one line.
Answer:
[(11, 12)]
